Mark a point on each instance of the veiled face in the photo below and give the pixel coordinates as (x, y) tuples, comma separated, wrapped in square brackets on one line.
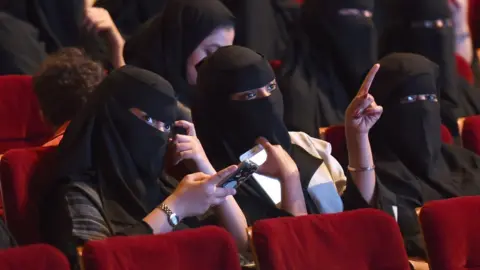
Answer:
[(220, 37)]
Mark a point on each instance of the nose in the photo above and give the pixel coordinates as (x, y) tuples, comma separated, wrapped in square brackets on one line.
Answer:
[(262, 93)]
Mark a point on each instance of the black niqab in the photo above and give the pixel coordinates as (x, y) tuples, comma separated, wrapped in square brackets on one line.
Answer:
[(164, 43), (115, 152), (410, 158), (234, 124)]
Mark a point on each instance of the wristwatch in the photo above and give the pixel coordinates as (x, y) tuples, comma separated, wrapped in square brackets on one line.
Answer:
[(173, 219)]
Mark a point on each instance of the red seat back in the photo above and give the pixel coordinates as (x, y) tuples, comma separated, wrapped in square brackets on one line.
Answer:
[(21, 124), (34, 257), (471, 133), (200, 249), (450, 228), (464, 69), (365, 239), (25, 175)]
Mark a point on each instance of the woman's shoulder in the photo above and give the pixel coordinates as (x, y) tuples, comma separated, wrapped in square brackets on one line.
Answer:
[(310, 144)]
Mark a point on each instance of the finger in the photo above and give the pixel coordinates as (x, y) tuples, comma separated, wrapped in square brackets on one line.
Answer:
[(360, 104), (221, 175), (375, 110), (179, 138), (188, 126), (264, 142), (365, 88), (223, 192), (180, 156), (199, 176), (217, 201), (180, 147)]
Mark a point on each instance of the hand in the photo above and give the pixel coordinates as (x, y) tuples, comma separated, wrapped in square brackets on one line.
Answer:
[(98, 20), (363, 112), (188, 148), (197, 192), (279, 164)]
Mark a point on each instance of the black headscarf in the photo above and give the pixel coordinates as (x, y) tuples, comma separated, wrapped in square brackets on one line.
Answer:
[(21, 51), (411, 33), (410, 158), (337, 25), (262, 25), (228, 128), (164, 44), (116, 153), (129, 15), (321, 71)]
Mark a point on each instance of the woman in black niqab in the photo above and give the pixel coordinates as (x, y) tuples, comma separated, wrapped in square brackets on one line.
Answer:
[(410, 158), (425, 27), (165, 43), (322, 71), (124, 154)]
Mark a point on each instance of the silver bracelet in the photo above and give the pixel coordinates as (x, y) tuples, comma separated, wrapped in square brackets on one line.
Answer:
[(363, 169)]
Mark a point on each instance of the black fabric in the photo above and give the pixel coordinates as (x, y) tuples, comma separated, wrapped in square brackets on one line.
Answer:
[(129, 15), (262, 25), (228, 128), (410, 158), (6, 238), (164, 43), (438, 45), (322, 70), (21, 51), (125, 153)]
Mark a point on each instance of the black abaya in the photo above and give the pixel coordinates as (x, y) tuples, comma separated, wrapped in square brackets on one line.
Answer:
[(410, 158)]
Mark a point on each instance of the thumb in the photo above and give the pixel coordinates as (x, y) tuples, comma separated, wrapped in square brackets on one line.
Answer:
[(221, 175), (264, 142)]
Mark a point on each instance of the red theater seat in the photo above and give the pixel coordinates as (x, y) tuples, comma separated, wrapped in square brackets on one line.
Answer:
[(450, 229), (21, 124), (25, 175), (366, 239), (35, 257), (470, 130), (207, 248)]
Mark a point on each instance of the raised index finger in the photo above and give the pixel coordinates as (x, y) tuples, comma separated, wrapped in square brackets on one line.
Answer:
[(365, 88)]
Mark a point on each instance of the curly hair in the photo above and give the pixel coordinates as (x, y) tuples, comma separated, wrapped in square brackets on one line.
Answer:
[(63, 83)]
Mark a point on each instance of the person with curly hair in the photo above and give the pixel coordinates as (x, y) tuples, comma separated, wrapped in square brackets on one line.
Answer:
[(62, 85)]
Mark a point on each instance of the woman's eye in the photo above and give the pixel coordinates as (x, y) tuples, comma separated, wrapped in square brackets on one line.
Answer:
[(167, 127), (250, 96), (148, 119), (272, 87)]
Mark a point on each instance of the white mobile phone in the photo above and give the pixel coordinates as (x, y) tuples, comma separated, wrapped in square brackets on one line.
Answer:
[(257, 155)]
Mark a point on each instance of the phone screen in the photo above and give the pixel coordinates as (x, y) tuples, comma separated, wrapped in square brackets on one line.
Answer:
[(257, 155)]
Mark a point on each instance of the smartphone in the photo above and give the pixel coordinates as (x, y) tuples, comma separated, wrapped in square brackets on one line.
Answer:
[(177, 130), (243, 172), (257, 155)]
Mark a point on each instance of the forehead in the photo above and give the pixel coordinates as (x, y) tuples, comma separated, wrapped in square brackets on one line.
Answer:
[(221, 36)]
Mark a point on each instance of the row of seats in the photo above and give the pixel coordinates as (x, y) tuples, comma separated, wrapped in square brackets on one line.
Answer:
[(365, 239)]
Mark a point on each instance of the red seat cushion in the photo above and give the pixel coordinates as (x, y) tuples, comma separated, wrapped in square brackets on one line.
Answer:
[(21, 123), (25, 175), (471, 133), (447, 137), (366, 239), (451, 232), (35, 257), (206, 248)]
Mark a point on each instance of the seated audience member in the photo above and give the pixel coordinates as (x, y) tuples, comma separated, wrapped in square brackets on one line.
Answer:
[(62, 85), (238, 100), (174, 41), (411, 160), (322, 71), (110, 171)]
